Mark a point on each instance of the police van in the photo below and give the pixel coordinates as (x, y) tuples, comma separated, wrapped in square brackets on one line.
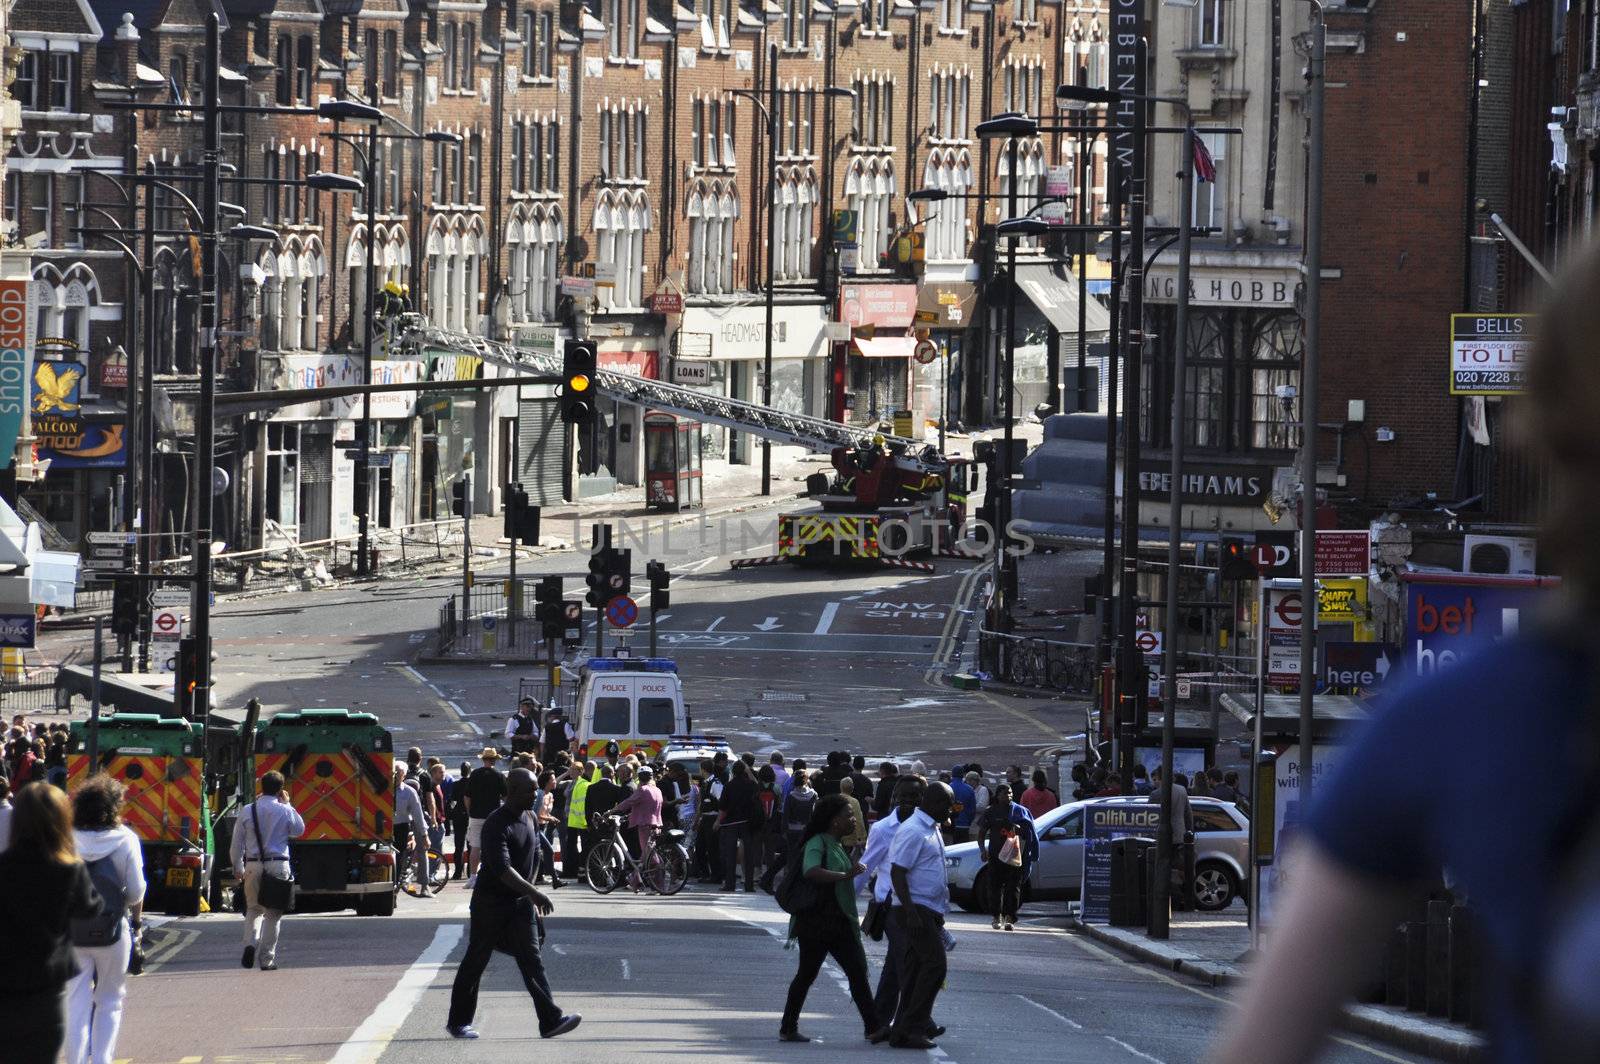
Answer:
[(636, 703)]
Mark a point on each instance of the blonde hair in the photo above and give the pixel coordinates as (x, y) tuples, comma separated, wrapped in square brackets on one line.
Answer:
[(41, 822)]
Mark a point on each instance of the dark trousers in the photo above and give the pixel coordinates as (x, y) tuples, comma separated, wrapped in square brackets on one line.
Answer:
[(506, 929), (728, 838), (887, 999), (35, 1026), (1006, 882), (922, 967), (707, 858), (571, 852), (458, 828), (819, 939)]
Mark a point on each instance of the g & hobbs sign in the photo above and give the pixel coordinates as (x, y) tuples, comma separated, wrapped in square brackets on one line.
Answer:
[(1224, 288)]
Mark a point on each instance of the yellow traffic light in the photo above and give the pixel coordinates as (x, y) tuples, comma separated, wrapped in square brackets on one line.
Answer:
[(578, 383)]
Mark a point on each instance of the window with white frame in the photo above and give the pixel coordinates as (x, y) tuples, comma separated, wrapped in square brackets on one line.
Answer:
[(538, 44), (796, 23), (870, 188), (952, 16), (949, 95), (1210, 197), (267, 312), (620, 223), (289, 301), (63, 299), (355, 266), (712, 211), (1024, 85), (623, 28), (535, 243), (1210, 23), (874, 111), (46, 80), (312, 267), (945, 232), (875, 17), (622, 141), (1025, 12), (1029, 180), (794, 226)]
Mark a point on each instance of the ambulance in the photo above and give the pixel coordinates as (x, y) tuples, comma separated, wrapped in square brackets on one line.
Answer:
[(634, 703)]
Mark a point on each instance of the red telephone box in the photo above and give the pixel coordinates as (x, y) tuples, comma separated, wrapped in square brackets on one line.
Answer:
[(672, 453)]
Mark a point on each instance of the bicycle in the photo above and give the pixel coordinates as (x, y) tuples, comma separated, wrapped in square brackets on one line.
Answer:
[(609, 863), (438, 872)]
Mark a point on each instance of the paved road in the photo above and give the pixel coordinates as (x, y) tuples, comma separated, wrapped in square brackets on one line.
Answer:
[(698, 976), (804, 660)]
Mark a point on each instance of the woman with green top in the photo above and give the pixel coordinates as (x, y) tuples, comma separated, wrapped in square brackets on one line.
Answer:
[(830, 927)]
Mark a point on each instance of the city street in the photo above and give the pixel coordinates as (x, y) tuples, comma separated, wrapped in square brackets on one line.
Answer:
[(698, 975), (802, 660)]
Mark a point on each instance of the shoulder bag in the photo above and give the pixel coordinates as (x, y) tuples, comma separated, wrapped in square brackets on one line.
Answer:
[(274, 892)]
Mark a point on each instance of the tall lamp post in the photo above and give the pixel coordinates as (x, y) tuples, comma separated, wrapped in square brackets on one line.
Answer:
[(1316, 83), (368, 157), (769, 116)]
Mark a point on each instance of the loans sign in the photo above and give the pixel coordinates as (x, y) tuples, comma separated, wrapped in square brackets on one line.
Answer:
[(1489, 353)]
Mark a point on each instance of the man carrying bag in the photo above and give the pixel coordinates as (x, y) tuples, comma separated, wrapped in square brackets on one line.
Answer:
[(260, 851)]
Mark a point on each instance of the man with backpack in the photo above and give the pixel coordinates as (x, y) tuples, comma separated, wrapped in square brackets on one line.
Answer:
[(103, 944)]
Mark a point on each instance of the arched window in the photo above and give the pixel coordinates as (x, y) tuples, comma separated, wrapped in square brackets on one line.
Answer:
[(355, 264), (695, 273), (606, 222), (271, 300), (312, 268), (728, 208), (290, 300), (471, 277), (551, 235)]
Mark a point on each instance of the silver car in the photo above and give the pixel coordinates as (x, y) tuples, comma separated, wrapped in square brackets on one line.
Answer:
[(1222, 847)]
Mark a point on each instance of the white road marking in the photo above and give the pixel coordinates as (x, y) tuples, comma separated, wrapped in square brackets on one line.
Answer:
[(1074, 1024), (462, 717), (825, 622), (627, 973), (370, 1039), (712, 627), (1135, 1052), (561, 951)]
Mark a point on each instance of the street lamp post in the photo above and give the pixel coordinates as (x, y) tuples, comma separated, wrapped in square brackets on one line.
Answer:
[(769, 116), (1316, 83)]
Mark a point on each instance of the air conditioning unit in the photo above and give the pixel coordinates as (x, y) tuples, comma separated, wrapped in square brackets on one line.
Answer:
[(1498, 555)]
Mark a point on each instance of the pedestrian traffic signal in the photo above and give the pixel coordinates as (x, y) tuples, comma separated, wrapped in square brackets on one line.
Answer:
[(1236, 562), (578, 363), (521, 519), (610, 575), (458, 496), (126, 605), (656, 573)]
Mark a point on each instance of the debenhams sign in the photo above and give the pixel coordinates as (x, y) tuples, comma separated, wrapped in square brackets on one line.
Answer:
[(1223, 485)]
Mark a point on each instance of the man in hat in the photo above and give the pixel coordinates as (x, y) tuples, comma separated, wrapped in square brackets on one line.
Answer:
[(522, 729), (486, 790)]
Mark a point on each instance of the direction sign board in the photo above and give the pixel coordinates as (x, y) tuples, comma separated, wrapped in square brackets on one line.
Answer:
[(1343, 552), (622, 611), (1359, 665), (169, 596), (111, 538), (1489, 353)]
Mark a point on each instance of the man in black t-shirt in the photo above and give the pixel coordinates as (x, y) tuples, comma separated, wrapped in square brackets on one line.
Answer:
[(502, 913), (486, 788)]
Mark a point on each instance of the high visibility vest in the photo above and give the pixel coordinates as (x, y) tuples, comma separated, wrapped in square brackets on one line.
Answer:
[(575, 808)]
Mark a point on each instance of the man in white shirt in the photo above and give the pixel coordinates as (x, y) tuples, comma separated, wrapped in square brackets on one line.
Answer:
[(908, 794), (260, 847), (922, 896)]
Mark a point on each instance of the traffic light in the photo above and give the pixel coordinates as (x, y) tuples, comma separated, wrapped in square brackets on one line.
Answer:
[(597, 596), (186, 676), (521, 519), (619, 573), (578, 363), (1236, 562), (125, 607), (548, 611), (458, 496), (659, 578)]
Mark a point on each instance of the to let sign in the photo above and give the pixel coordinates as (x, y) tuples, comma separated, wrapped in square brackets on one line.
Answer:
[(1489, 353)]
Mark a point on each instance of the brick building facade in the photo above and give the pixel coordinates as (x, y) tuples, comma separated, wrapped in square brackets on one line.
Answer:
[(624, 141)]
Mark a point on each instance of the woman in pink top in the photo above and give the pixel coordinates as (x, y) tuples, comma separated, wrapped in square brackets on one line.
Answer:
[(1039, 799), (643, 809)]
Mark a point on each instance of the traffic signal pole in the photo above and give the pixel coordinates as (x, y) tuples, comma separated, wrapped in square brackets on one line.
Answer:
[(466, 550)]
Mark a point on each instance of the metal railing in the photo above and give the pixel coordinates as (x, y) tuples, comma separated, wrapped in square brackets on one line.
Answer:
[(1034, 661), (480, 623), (818, 434), (29, 689)]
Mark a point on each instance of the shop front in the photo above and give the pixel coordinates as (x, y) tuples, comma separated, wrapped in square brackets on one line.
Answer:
[(306, 485), (944, 314), (390, 489), (83, 442), (879, 355), (447, 433), (723, 350)]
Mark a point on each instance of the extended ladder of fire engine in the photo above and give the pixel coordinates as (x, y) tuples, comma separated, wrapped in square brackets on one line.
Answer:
[(814, 433)]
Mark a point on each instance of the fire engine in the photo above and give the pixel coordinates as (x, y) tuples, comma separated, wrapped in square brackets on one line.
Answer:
[(885, 500)]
